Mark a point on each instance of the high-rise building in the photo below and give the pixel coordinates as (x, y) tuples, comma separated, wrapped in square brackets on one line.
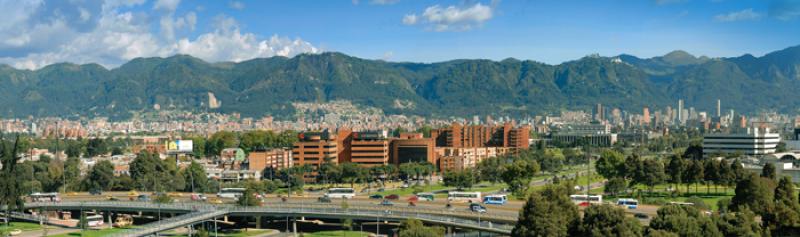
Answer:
[(718, 108), (458, 135), (681, 113), (598, 113), (646, 116), (315, 148)]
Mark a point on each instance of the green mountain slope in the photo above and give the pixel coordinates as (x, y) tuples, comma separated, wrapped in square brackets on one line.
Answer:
[(453, 88)]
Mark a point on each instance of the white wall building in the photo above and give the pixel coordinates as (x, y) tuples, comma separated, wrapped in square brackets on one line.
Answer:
[(755, 142)]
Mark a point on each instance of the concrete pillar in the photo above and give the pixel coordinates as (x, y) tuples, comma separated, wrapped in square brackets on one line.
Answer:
[(294, 226), (258, 222), (225, 218)]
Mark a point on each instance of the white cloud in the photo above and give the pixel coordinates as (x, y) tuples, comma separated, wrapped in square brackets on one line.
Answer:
[(227, 43), (743, 15), (118, 34), (387, 56), (166, 5), (452, 18), (236, 5), (784, 9), (410, 19)]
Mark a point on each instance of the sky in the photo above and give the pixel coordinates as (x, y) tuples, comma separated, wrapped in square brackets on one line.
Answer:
[(36, 33)]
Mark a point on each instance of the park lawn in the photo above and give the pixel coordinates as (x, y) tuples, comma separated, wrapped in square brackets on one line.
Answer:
[(337, 233), (24, 226), (93, 233)]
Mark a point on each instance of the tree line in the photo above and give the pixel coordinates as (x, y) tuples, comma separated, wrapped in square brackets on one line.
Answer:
[(550, 212)]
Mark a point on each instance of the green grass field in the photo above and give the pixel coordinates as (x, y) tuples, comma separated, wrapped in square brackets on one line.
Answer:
[(337, 233), (24, 226), (92, 233)]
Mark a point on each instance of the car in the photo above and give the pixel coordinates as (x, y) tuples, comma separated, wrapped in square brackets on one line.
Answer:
[(376, 196), (386, 202), (95, 192), (111, 198), (392, 197), (405, 185), (640, 215), (413, 199), (475, 207), (199, 197), (324, 199), (215, 201), (143, 198)]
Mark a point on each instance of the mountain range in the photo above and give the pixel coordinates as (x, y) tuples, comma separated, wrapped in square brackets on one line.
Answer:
[(268, 86)]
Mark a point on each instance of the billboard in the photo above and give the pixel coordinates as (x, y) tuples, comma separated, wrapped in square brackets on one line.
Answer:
[(180, 146)]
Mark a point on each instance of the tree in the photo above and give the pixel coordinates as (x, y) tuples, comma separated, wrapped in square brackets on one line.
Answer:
[(518, 174), (352, 173), (712, 173), (616, 186), (11, 193), (95, 147), (460, 179), (248, 198), (548, 212), (606, 220), (196, 178), (684, 221), (72, 173), (784, 220), (653, 173), (675, 169), (73, 150), (117, 151), (415, 228), (768, 171), (489, 168), (100, 177), (755, 193), (695, 174), (740, 223), (694, 151), (610, 164)]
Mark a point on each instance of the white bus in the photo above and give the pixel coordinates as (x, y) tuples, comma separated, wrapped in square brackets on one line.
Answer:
[(347, 193), (44, 197), (93, 219), (231, 193), (585, 200), (628, 203), (474, 197)]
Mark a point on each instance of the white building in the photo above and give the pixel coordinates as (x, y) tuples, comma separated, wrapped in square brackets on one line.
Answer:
[(755, 142)]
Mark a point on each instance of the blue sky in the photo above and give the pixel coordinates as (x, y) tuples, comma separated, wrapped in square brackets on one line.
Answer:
[(111, 32)]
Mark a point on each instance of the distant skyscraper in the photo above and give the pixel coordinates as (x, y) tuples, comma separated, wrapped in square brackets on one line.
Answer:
[(718, 108), (646, 116), (598, 113), (680, 112)]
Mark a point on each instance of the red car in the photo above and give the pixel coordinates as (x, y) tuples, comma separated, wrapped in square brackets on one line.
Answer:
[(392, 197)]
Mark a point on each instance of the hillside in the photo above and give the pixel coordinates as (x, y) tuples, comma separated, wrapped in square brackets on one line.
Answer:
[(453, 88)]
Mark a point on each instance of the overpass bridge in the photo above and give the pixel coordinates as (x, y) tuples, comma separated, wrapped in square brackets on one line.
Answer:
[(194, 213)]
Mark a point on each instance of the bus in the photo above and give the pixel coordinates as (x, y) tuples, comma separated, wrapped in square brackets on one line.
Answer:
[(586, 200), (628, 203), (231, 193), (426, 196), (346, 193), (93, 219), (474, 197), (44, 197), (495, 199)]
